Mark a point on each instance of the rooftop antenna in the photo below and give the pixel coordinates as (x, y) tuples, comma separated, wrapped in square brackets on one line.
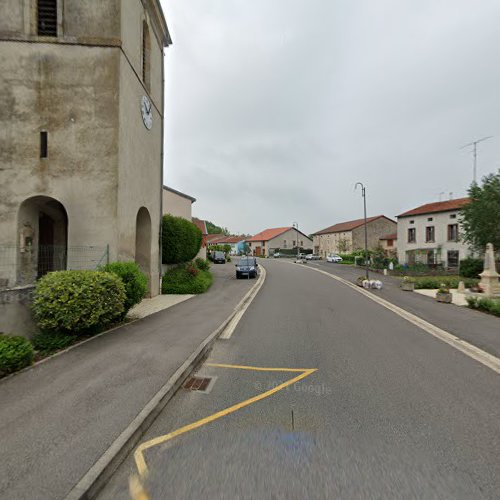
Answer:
[(474, 153), (441, 195)]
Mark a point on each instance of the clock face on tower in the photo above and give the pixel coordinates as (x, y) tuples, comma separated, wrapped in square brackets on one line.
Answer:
[(147, 112)]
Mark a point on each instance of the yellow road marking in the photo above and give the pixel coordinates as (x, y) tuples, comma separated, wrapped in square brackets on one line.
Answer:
[(140, 461)]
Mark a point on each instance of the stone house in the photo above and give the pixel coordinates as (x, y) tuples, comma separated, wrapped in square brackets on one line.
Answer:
[(388, 243), (267, 242), (345, 237), (81, 135), (430, 234)]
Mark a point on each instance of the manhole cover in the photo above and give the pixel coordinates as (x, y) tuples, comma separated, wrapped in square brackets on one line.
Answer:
[(200, 384)]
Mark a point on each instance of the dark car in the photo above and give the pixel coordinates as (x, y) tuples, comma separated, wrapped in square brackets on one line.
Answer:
[(247, 267), (219, 257)]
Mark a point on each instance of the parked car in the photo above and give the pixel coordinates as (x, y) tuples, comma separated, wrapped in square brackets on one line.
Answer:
[(276, 255), (247, 267), (219, 257), (312, 256), (333, 258)]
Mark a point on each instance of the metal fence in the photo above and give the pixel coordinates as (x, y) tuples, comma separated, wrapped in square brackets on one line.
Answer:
[(24, 266)]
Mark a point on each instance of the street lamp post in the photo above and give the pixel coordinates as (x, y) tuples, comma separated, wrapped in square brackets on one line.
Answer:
[(363, 193), (296, 226)]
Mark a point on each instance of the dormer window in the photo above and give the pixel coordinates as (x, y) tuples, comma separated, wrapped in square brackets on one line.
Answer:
[(47, 17)]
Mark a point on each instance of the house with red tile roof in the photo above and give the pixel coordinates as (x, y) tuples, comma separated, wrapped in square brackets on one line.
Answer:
[(388, 242), (269, 241), (345, 237), (430, 234), (235, 242)]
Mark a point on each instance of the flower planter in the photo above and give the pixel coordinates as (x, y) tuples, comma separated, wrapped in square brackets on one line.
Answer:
[(444, 297), (408, 287)]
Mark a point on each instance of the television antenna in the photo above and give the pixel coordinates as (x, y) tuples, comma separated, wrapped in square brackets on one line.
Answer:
[(474, 153)]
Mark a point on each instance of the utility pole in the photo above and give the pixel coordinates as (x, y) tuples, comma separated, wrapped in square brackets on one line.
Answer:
[(363, 193), (474, 155), (296, 226)]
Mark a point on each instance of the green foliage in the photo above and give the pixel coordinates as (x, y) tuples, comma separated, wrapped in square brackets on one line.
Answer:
[(480, 217), (49, 342), (470, 268), (433, 282), (213, 229), (15, 353), (202, 264), (491, 306), (77, 302), (181, 240), (136, 282), (182, 280)]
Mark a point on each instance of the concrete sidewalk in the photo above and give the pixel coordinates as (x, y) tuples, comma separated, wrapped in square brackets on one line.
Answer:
[(477, 328), (59, 417)]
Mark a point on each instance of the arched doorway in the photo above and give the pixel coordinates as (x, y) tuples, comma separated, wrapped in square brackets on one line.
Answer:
[(143, 241), (43, 237)]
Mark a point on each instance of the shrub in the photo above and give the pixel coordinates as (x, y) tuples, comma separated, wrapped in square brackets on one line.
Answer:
[(181, 281), (50, 342), (136, 282), (181, 240), (77, 302), (15, 353), (432, 282), (470, 268), (202, 264), (491, 306)]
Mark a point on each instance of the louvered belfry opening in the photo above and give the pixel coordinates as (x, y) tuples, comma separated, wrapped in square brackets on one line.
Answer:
[(47, 17)]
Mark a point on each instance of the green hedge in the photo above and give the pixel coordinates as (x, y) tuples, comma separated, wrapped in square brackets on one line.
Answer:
[(491, 306), (48, 342), (77, 302), (470, 268), (136, 283), (15, 353), (433, 282), (186, 280), (181, 240)]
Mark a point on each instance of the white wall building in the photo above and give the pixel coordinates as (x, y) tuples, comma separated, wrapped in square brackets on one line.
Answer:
[(430, 234), (265, 243)]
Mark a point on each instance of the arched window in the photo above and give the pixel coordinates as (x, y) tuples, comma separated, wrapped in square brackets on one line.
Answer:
[(47, 17), (146, 55)]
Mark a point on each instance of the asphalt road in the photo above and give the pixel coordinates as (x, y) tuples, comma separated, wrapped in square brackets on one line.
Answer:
[(391, 412)]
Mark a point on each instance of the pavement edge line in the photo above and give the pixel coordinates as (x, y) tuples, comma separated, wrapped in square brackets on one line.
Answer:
[(470, 350), (96, 477)]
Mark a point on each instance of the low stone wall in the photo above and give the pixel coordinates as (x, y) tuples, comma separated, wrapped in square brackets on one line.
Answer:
[(15, 311)]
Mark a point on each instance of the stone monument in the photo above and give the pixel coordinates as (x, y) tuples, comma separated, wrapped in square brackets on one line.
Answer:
[(489, 277)]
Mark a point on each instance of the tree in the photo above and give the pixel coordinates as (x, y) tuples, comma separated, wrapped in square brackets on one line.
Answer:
[(480, 218), (181, 240), (343, 245), (213, 229)]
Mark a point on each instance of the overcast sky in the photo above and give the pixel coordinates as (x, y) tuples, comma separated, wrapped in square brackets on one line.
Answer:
[(276, 108)]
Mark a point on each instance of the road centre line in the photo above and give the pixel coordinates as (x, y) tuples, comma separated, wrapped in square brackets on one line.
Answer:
[(244, 304), (461, 345)]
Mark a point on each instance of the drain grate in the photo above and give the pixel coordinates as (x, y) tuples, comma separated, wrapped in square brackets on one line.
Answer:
[(199, 384)]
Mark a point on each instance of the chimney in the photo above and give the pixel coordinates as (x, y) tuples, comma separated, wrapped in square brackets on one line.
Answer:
[(451, 195)]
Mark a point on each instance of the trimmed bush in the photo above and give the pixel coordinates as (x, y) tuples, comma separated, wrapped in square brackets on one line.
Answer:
[(136, 282), (15, 353), (432, 282), (181, 240), (470, 268), (485, 304), (49, 342), (181, 281), (202, 264), (78, 302)]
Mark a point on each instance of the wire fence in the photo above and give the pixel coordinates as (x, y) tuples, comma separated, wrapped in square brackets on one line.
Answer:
[(20, 267)]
